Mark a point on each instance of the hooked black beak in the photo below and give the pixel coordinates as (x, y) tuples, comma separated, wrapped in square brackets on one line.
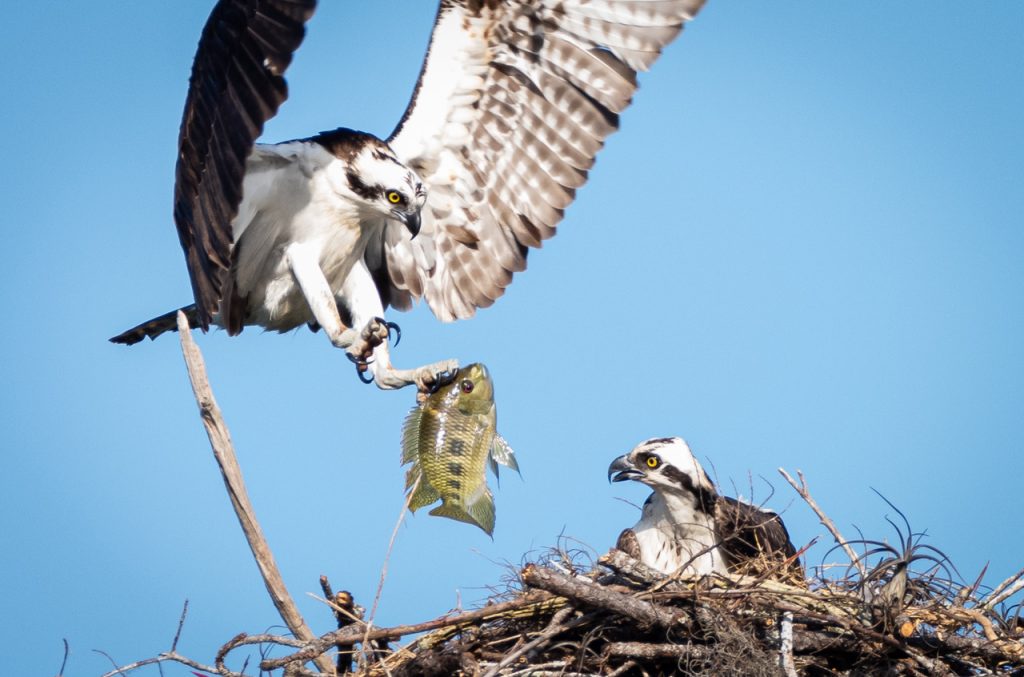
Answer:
[(410, 219), (621, 470)]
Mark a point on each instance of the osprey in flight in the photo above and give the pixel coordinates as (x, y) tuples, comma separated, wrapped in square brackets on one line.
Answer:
[(687, 524), (514, 100)]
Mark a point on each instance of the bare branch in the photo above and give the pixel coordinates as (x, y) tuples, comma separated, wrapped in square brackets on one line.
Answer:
[(169, 657), (595, 596), (1005, 590), (805, 494), (224, 452), (181, 624), (353, 634)]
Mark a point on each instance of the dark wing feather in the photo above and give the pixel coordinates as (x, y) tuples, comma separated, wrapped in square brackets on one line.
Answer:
[(628, 543), (752, 536), (237, 85), (515, 99)]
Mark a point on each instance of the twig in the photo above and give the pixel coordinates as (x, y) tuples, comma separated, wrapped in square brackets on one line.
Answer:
[(170, 656), (1005, 590), (181, 624), (351, 635), (384, 570), (622, 669), (224, 452), (64, 663), (387, 555), (556, 626), (805, 494)]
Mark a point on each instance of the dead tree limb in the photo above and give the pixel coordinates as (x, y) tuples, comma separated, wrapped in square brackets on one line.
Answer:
[(224, 452), (595, 596), (805, 493)]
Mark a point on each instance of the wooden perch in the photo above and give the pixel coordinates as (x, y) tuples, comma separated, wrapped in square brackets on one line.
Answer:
[(231, 471)]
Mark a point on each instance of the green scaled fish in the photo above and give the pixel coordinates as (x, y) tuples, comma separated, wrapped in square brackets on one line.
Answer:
[(449, 439)]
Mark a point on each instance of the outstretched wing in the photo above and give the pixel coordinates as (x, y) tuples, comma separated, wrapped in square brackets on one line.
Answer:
[(515, 99), (237, 84)]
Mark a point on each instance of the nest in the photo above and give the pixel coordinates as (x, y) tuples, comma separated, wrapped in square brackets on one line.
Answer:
[(620, 618), (565, 615)]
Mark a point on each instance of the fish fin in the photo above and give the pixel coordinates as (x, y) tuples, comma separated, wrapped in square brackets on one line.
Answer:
[(411, 434), (493, 465), (425, 493), (502, 453), (480, 513)]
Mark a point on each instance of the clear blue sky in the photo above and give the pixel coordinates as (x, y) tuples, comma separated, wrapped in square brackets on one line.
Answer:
[(804, 249)]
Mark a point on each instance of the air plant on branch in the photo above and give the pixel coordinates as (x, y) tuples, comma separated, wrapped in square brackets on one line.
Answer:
[(890, 583)]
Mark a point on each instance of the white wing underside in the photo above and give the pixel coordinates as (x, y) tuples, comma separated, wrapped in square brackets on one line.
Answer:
[(515, 100)]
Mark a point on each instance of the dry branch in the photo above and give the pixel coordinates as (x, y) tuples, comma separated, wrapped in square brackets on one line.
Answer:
[(348, 636), (596, 596), (231, 471), (805, 494)]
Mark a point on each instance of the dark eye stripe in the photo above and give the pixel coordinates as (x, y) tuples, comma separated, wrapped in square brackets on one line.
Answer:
[(705, 497)]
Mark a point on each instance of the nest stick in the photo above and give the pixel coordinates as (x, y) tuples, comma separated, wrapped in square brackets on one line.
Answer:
[(224, 452), (556, 626), (805, 494), (355, 633), (1005, 590), (644, 613)]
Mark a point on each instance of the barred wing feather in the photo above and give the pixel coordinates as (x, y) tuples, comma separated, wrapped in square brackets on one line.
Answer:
[(515, 99)]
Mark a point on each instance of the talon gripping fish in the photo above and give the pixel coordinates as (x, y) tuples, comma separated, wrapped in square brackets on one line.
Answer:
[(450, 439)]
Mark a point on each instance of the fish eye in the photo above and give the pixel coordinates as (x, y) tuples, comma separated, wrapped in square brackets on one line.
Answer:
[(467, 386), (653, 461), (394, 197)]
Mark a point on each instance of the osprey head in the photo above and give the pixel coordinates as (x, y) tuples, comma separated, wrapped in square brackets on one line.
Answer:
[(667, 465), (375, 178)]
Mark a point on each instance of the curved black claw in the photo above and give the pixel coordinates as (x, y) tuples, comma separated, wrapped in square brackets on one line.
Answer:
[(398, 333), (357, 361), (361, 373), (442, 379)]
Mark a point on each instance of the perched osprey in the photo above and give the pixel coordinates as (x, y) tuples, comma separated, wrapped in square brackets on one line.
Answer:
[(514, 100), (687, 524)]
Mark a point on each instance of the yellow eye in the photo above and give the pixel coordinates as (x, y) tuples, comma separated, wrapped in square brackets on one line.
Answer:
[(394, 197), (652, 461)]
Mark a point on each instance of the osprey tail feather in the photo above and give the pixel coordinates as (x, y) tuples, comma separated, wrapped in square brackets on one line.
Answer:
[(156, 326)]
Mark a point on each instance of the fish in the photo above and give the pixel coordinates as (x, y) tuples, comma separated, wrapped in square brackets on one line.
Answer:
[(450, 438)]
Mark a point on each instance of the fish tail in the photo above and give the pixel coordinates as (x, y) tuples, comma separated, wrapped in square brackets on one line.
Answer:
[(480, 513)]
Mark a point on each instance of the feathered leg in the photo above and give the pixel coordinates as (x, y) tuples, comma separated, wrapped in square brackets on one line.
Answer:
[(359, 295)]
